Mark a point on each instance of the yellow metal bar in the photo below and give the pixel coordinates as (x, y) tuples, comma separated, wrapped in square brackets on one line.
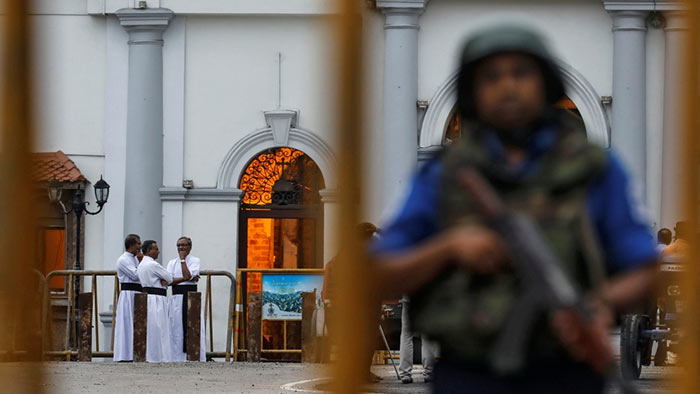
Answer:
[(45, 309), (73, 320), (688, 196), (280, 351), (115, 299), (95, 312), (282, 271), (208, 315), (351, 328), (69, 310), (18, 202), (238, 310)]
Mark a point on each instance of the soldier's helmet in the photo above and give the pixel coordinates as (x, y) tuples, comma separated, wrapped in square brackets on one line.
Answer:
[(505, 39)]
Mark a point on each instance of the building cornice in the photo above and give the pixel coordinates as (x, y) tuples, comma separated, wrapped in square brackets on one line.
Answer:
[(329, 195), (644, 5), (213, 7), (201, 194)]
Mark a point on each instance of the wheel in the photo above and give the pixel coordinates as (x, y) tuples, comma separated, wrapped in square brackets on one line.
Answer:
[(632, 346)]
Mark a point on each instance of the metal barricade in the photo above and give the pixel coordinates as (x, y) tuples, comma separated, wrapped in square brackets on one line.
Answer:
[(71, 313)]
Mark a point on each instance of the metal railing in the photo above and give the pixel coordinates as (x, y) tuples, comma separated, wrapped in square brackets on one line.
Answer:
[(71, 325), (240, 319)]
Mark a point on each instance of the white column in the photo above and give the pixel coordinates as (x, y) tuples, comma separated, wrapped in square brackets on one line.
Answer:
[(676, 35), (331, 214), (400, 134), (115, 147), (628, 135), (144, 134), (173, 137)]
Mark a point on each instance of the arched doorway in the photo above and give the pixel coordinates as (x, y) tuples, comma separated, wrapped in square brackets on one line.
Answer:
[(453, 128), (280, 227)]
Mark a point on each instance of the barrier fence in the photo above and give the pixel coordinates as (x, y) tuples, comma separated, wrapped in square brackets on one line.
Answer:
[(71, 331), (241, 341)]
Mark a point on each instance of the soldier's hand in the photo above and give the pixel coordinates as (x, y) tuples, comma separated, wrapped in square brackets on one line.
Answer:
[(164, 282), (588, 340), (477, 248)]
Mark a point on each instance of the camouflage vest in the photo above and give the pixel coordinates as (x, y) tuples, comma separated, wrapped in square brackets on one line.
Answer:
[(465, 311)]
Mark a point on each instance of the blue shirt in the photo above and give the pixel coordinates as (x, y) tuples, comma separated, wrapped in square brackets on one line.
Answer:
[(623, 230)]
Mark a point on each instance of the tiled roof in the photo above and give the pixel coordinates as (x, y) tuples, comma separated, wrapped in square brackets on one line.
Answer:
[(50, 165)]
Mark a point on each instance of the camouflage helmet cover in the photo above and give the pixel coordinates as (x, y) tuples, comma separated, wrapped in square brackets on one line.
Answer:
[(504, 39)]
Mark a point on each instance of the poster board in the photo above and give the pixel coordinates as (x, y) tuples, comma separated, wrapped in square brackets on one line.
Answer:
[(282, 294)]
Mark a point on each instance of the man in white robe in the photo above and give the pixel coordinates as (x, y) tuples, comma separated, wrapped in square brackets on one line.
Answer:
[(155, 279), (186, 267), (130, 285)]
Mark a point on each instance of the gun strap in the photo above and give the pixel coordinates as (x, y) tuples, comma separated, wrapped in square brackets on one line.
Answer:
[(592, 252)]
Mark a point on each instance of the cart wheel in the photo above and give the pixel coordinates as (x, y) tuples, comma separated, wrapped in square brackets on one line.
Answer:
[(632, 346)]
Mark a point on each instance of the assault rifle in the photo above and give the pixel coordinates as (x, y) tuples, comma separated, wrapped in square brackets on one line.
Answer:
[(545, 286)]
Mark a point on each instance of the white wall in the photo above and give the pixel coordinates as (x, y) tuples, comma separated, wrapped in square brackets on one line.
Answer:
[(69, 94), (231, 78), (70, 83), (579, 33)]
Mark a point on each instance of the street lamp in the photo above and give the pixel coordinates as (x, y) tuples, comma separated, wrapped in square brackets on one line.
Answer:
[(78, 206)]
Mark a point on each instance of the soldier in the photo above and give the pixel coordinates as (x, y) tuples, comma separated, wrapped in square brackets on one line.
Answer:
[(440, 250)]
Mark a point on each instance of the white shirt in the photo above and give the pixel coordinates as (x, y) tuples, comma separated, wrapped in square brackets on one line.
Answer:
[(175, 268), (151, 272), (660, 247), (127, 265)]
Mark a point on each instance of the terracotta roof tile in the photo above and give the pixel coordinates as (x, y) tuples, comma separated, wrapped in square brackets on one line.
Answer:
[(48, 165)]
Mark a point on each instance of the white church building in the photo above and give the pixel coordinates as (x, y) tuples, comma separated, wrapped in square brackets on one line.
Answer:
[(215, 119)]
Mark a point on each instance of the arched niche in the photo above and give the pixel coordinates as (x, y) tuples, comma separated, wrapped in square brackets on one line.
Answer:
[(577, 87), (236, 160)]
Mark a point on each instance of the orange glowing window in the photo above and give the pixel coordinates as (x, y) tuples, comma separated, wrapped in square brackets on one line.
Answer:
[(263, 172), (453, 130), (281, 176)]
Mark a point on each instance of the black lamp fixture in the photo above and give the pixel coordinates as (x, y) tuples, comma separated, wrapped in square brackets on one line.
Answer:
[(78, 206)]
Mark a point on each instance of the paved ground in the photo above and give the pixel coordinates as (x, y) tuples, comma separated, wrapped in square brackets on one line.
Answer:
[(266, 378)]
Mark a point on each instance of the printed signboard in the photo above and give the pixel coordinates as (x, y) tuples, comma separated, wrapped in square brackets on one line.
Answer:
[(282, 294)]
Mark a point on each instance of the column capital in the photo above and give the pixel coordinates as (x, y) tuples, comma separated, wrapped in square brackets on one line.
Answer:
[(406, 5), (150, 19), (629, 19), (401, 14), (676, 20), (643, 5)]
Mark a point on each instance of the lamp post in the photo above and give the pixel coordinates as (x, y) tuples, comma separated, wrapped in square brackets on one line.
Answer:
[(78, 206)]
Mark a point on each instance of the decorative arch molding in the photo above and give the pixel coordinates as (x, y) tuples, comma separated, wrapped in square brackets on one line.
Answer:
[(249, 146), (577, 87)]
